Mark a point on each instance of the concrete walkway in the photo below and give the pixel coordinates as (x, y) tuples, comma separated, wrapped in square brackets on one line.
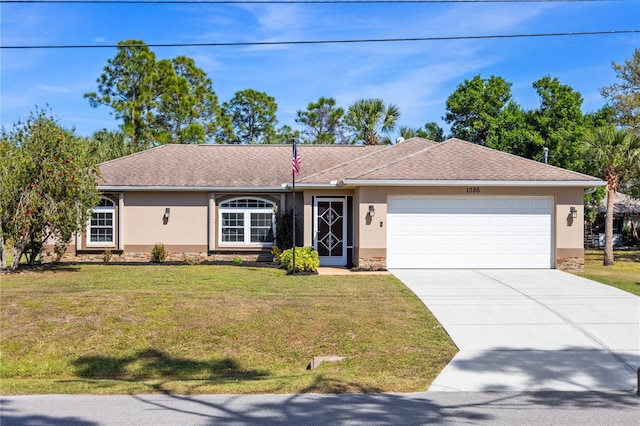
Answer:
[(531, 330)]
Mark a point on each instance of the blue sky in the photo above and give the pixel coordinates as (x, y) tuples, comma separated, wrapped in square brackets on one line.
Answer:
[(417, 76)]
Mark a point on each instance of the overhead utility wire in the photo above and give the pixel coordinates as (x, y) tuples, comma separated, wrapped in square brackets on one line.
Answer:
[(293, 1), (280, 43)]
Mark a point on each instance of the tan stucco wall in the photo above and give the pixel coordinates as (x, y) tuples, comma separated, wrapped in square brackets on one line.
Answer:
[(371, 234), (144, 225)]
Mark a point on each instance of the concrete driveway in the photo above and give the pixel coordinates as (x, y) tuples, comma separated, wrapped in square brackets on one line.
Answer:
[(531, 330)]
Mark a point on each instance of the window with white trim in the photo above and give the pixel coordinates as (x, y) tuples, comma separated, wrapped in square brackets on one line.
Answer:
[(101, 226), (246, 221)]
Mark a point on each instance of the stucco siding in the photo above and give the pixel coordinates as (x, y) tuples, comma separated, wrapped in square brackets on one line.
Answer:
[(145, 224), (567, 233)]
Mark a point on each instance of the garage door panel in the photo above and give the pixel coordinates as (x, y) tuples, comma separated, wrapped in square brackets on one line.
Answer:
[(453, 232)]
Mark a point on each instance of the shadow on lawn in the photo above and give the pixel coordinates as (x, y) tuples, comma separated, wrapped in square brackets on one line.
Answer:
[(154, 364)]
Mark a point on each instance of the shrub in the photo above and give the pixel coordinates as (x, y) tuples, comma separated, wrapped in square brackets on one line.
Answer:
[(158, 253), (106, 256), (306, 259), (237, 260), (284, 230), (58, 252), (192, 260), (276, 252)]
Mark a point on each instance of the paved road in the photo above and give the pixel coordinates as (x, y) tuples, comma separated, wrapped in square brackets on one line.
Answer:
[(532, 330), (557, 408)]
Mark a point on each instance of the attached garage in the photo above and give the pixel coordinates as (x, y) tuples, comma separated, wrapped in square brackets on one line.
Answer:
[(477, 232)]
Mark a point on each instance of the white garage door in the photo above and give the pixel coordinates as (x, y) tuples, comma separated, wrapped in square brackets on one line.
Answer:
[(482, 232)]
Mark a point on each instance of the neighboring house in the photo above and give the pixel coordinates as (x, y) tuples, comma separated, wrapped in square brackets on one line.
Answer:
[(626, 214), (416, 204)]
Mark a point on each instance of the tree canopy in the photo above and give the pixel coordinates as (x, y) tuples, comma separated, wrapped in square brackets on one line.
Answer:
[(624, 95), (48, 185), (159, 102), (474, 106), (370, 119), (322, 122), (251, 117)]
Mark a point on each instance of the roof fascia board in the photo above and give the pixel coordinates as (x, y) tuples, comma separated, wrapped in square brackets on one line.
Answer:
[(511, 183), (331, 185), (192, 188)]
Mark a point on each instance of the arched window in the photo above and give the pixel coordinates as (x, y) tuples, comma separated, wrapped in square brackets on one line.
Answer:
[(101, 226), (246, 221)]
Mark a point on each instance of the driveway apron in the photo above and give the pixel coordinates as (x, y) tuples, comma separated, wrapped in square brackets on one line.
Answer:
[(531, 330)]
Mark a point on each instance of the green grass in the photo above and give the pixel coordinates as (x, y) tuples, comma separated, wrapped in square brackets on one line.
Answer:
[(123, 329), (624, 274)]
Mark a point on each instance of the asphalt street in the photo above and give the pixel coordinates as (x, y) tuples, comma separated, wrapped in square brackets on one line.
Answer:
[(512, 408)]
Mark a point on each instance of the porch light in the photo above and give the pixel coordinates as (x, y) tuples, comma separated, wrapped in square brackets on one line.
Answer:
[(372, 210), (167, 212), (574, 212)]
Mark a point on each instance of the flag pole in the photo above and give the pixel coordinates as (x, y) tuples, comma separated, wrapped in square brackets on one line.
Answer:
[(293, 191)]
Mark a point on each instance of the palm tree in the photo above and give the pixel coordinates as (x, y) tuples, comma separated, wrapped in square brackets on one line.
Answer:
[(369, 118), (617, 153)]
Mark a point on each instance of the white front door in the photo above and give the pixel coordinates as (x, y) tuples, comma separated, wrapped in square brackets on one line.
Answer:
[(330, 230)]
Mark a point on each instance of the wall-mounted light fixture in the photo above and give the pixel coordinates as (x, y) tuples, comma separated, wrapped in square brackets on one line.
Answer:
[(574, 212), (372, 210), (167, 212)]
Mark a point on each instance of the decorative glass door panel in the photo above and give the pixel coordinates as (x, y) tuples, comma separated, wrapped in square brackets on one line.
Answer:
[(331, 231)]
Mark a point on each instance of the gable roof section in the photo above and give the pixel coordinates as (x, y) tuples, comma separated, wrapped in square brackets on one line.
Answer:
[(370, 161), (221, 166), (268, 167), (458, 160)]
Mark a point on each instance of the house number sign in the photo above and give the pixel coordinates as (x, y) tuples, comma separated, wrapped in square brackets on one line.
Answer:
[(473, 189)]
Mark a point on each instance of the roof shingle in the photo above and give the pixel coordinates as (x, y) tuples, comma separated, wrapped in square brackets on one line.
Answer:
[(267, 166)]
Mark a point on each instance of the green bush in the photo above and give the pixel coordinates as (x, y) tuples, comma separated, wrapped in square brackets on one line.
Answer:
[(306, 259), (237, 260), (275, 253), (158, 253)]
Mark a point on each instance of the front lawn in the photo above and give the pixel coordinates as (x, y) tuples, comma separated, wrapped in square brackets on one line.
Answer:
[(122, 329), (624, 274)]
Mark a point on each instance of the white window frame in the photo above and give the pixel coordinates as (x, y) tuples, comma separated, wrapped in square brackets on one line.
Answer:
[(227, 207), (108, 208)]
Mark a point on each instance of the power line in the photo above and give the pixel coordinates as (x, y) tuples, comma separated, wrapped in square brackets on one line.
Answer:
[(292, 1), (308, 42)]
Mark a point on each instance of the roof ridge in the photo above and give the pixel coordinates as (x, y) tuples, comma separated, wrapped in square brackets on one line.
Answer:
[(134, 154), (388, 164)]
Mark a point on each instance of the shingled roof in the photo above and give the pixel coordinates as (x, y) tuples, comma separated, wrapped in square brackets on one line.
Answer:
[(269, 166)]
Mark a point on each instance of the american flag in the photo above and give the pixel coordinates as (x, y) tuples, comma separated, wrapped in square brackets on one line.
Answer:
[(295, 159)]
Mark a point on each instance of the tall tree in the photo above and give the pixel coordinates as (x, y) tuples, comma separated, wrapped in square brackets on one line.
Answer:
[(473, 107), (406, 132), (618, 153), (128, 86), (624, 96), (514, 132), (106, 145), (431, 131), (252, 116), (187, 110), (166, 101), (52, 185), (560, 123), (322, 122), (284, 135), (370, 119)]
